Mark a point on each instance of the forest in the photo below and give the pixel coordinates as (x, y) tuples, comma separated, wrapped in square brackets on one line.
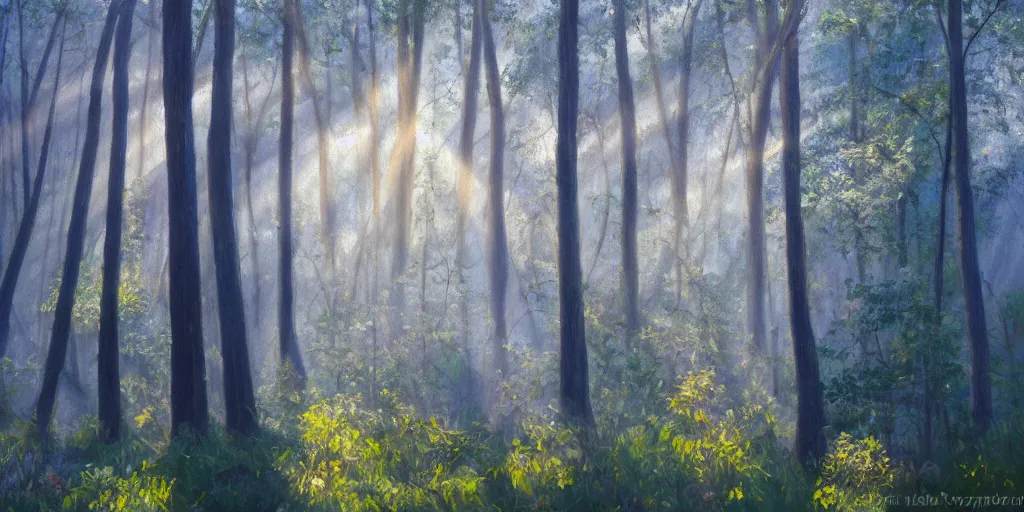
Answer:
[(511, 255)]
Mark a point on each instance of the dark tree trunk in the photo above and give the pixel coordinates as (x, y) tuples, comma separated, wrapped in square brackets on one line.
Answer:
[(575, 382), (498, 244), (464, 191), (289, 346), (108, 367), (21, 242), (239, 399), (29, 95), (927, 405), (627, 116), (970, 273), (57, 353), (760, 100), (188, 366), (810, 441)]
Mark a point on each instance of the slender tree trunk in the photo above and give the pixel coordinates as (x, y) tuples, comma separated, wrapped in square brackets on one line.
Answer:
[(627, 116), (408, 63), (188, 366), (326, 187), (760, 111), (970, 272), (254, 131), (29, 95), (810, 440), (497, 246), (21, 242), (57, 353), (289, 348), (239, 399), (109, 371), (464, 191), (681, 206), (374, 110), (575, 382), (204, 21)]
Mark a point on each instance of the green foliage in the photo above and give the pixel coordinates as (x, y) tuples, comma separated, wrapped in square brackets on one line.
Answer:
[(354, 459), (102, 490), (855, 476)]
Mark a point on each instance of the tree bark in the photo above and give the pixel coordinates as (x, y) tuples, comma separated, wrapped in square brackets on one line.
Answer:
[(239, 399), (57, 353), (498, 243), (627, 117), (109, 371), (289, 348), (970, 272), (188, 366), (810, 440), (574, 379)]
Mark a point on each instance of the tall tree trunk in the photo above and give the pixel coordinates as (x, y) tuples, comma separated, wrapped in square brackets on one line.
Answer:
[(464, 191), (289, 347), (57, 353), (927, 420), (681, 204), (810, 440), (627, 116), (759, 112), (408, 62), (970, 273), (326, 186), (374, 111), (30, 94), (254, 131), (21, 242), (575, 382), (109, 371), (497, 246), (188, 366), (239, 399)]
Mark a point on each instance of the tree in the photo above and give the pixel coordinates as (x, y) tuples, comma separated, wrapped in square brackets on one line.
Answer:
[(409, 65), (679, 152), (28, 97), (289, 345), (239, 399), (575, 383), (464, 191), (188, 366), (498, 245), (627, 116), (810, 441), (970, 272), (57, 352), (12, 271), (326, 187), (759, 108), (109, 372)]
